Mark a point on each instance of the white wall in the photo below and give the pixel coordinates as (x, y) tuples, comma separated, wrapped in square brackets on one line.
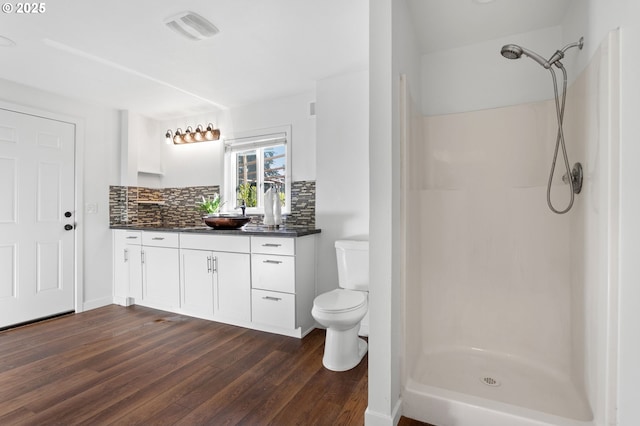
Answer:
[(477, 76), (594, 19), (203, 163), (392, 51), (194, 164), (342, 164), (141, 150), (629, 314), (100, 163)]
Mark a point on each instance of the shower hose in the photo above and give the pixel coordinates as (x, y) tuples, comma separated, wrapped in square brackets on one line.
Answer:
[(560, 140)]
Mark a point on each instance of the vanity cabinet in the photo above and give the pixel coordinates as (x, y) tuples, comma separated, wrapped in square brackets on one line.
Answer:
[(283, 283), (262, 282), (215, 277)]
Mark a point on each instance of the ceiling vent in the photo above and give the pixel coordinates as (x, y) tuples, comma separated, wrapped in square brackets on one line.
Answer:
[(191, 25)]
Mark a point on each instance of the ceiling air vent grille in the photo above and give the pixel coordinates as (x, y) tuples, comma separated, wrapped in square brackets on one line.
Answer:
[(191, 25)]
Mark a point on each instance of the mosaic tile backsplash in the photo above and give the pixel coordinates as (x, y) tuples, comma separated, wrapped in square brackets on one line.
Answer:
[(176, 207)]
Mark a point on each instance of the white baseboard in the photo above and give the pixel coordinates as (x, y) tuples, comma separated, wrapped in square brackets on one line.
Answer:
[(373, 418), (95, 304)]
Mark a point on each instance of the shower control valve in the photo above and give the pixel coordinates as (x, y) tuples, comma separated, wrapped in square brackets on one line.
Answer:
[(576, 178)]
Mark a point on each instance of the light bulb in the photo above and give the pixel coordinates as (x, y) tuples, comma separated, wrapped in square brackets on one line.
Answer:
[(199, 135), (177, 138), (209, 133), (188, 135), (212, 134)]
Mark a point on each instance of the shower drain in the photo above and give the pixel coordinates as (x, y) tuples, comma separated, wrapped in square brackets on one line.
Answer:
[(490, 381)]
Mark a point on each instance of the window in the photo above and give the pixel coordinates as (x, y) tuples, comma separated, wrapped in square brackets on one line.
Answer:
[(255, 162)]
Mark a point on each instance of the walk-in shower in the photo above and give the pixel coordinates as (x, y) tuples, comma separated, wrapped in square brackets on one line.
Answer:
[(572, 176), (509, 310)]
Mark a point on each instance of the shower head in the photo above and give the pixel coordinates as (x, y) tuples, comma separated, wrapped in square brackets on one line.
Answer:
[(513, 51)]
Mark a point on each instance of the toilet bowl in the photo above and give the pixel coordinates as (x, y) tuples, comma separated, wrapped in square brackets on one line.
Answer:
[(341, 310)]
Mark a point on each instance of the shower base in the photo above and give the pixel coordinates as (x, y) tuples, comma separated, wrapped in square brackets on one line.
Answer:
[(472, 387)]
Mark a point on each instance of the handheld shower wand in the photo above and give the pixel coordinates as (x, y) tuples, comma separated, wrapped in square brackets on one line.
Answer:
[(513, 51), (573, 176)]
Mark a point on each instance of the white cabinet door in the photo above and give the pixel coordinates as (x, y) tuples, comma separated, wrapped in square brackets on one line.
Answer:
[(274, 309), (127, 267), (197, 282), (271, 272), (120, 268), (134, 265), (233, 285), (161, 277)]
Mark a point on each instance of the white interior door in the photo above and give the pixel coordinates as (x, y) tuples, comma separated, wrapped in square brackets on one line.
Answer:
[(36, 204)]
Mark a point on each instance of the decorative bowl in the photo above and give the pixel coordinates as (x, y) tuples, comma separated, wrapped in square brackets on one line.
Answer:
[(226, 221)]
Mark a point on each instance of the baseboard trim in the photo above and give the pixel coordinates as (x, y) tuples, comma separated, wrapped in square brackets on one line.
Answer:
[(97, 303), (374, 418)]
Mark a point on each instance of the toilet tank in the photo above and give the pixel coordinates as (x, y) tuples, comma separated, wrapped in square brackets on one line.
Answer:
[(353, 264)]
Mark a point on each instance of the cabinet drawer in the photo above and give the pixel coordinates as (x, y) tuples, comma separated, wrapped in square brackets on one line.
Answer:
[(160, 239), (230, 243), (273, 245), (275, 273), (272, 308), (132, 237)]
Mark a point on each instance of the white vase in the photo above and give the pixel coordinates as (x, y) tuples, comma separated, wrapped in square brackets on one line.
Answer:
[(277, 210), (268, 219)]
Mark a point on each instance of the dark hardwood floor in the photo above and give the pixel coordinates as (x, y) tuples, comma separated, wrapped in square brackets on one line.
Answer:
[(135, 365)]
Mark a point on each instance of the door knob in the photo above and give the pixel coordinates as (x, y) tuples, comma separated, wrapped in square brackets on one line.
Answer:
[(67, 214), (68, 227)]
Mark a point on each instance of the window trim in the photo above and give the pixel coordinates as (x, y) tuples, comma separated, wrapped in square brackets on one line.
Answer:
[(250, 140)]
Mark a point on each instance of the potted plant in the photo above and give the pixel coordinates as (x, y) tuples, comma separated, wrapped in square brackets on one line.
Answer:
[(210, 205)]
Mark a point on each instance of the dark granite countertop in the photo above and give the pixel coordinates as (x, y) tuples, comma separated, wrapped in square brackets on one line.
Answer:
[(246, 230)]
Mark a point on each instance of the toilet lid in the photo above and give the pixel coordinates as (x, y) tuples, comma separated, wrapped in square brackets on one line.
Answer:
[(340, 300)]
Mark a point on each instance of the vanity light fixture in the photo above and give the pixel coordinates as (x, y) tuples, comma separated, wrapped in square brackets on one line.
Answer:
[(190, 135)]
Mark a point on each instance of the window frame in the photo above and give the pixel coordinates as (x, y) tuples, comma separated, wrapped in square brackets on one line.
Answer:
[(256, 140)]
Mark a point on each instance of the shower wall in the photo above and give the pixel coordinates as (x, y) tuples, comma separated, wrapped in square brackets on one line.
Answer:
[(496, 260), (593, 129), (494, 269)]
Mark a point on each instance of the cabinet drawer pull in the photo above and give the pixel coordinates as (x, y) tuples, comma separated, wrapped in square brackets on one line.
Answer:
[(271, 245), (275, 299), (132, 238), (158, 238), (273, 262)]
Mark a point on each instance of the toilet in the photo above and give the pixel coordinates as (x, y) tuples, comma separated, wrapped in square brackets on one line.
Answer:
[(341, 310)]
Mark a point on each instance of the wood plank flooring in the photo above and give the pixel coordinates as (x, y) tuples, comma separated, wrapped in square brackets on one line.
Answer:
[(135, 365)]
